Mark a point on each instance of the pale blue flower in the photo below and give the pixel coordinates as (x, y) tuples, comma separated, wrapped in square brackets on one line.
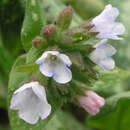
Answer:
[(30, 100), (54, 64), (102, 55), (106, 26)]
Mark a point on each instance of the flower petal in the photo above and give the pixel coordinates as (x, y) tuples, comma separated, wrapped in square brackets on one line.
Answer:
[(97, 55), (18, 95), (119, 28), (45, 66), (99, 101), (88, 104), (44, 55), (108, 49), (45, 110), (62, 74), (46, 69), (108, 14), (31, 102), (25, 86), (109, 30), (65, 59), (102, 51), (91, 102), (107, 64), (42, 58), (99, 44), (40, 92), (57, 67), (93, 110), (53, 52), (26, 101), (106, 26)]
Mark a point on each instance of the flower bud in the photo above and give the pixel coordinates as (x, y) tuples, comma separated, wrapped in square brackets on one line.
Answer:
[(49, 31), (91, 102), (38, 42), (64, 19)]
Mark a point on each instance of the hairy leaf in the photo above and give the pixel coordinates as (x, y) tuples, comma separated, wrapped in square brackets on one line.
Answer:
[(33, 22)]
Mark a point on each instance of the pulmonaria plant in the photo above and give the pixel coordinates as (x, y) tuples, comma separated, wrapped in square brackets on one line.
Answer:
[(70, 61)]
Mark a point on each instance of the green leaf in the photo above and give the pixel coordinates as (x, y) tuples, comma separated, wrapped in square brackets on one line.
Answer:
[(27, 68), (117, 101), (17, 78), (108, 83), (33, 55), (61, 121), (7, 57), (33, 22), (117, 120)]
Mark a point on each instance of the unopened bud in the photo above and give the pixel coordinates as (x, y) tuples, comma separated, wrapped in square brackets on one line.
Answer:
[(92, 102), (49, 31), (64, 19), (37, 41)]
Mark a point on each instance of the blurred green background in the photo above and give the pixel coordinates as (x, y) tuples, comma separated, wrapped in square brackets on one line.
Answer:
[(11, 19)]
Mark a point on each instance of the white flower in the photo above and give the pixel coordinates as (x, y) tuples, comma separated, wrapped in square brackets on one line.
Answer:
[(54, 64), (102, 55), (106, 26), (30, 100)]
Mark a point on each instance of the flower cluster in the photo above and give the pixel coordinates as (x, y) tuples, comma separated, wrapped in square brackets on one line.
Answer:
[(31, 100)]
